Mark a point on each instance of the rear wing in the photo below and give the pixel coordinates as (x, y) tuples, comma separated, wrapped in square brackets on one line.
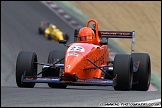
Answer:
[(119, 34)]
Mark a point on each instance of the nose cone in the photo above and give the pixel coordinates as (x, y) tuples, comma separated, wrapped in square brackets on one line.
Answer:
[(72, 66), (60, 37), (73, 59)]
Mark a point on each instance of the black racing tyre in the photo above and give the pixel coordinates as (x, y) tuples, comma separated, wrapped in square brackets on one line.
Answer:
[(54, 56), (66, 37), (25, 62), (41, 30), (49, 37), (143, 74), (123, 71)]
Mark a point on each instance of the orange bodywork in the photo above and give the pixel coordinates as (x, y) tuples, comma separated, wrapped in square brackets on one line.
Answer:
[(76, 63)]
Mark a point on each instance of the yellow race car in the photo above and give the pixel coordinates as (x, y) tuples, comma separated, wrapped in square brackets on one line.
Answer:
[(51, 32)]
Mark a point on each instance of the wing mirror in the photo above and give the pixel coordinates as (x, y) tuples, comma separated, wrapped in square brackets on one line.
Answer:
[(76, 34), (103, 42), (62, 41)]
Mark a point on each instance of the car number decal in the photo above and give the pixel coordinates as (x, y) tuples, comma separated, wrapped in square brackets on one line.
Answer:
[(76, 48)]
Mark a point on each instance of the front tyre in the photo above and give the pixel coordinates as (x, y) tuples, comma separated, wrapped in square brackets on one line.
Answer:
[(25, 63), (49, 37)]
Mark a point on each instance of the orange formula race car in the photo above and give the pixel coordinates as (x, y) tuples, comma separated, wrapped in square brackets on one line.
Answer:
[(87, 62)]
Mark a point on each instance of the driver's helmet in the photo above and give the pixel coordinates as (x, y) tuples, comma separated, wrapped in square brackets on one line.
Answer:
[(53, 26), (86, 34)]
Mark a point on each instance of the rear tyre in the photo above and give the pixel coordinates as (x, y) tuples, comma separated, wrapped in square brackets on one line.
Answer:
[(54, 56), (41, 30), (123, 72), (66, 37), (143, 75), (25, 62)]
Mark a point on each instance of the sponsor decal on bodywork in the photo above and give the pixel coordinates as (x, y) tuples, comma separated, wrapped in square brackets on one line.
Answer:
[(72, 54)]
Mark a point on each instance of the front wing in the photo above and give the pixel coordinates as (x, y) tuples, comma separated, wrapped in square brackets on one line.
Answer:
[(83, 82)]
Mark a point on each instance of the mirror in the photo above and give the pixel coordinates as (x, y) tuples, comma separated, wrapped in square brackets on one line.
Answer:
[(103, 41), (62, 41)]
